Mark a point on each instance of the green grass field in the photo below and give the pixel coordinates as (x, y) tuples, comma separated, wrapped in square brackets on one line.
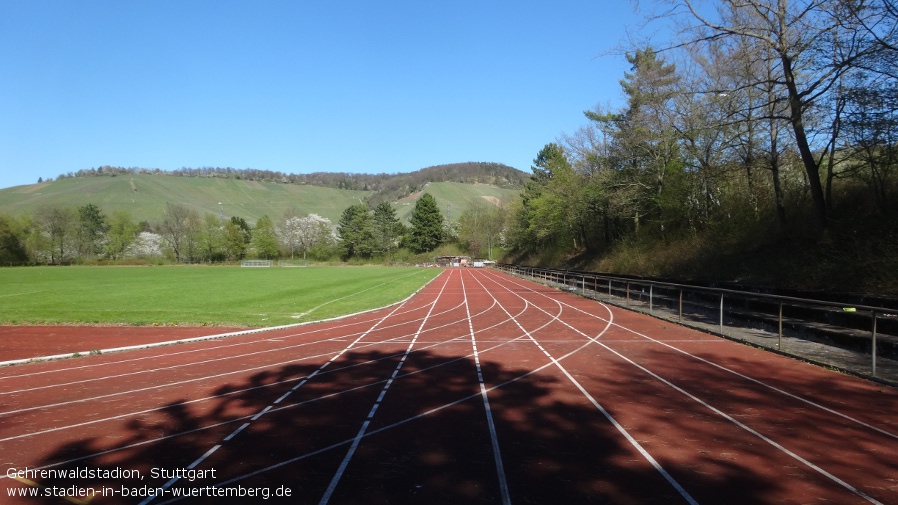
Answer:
[(199, 295)]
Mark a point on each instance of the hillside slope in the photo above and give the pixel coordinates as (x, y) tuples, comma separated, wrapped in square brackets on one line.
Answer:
[(145, 194), (454, 198)]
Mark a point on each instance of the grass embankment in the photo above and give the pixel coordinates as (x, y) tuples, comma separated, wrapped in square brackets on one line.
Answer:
[(219, 296), (858, 254)]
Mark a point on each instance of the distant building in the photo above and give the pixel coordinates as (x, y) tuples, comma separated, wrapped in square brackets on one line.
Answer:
[(453, 261)]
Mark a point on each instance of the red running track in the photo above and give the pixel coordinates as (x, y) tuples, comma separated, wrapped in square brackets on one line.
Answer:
[(483, 388)]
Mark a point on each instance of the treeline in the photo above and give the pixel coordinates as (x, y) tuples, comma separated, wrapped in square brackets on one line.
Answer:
[(386, 187), (61, 236), (762, 121)]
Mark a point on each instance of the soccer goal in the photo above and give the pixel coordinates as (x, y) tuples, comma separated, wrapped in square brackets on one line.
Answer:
[(293, 263), (256, 263)]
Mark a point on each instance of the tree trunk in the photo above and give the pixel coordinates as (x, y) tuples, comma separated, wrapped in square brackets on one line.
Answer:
[(804, 149)]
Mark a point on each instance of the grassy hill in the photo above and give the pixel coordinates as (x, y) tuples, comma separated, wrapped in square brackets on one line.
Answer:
[(145, 196), (456, 195)]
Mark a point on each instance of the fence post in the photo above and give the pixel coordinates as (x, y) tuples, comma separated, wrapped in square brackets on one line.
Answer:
[(651, 306), (779, 344), (874, 344), (721, 313), (681, 305)]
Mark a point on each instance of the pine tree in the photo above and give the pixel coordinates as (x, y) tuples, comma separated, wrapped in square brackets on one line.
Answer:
[(388, 230), (356, 230), (427, 225)]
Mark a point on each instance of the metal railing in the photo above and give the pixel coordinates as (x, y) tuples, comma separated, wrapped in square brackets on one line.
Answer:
[(859, 339)]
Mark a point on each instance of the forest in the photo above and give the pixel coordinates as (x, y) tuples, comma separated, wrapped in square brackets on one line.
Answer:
[(760, 145)]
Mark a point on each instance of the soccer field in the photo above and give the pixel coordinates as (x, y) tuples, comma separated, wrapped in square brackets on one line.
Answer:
[(199, 295)]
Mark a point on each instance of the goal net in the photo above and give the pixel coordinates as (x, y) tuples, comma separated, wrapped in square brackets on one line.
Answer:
[(255, 263)]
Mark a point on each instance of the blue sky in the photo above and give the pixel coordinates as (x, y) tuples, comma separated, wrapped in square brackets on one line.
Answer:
[(298, 86)]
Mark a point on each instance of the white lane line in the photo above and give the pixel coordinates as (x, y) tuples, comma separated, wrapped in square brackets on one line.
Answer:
[(273, 384), (358, 438), (290, 406), (170, 384), (759, 382), (407, 420), (494, 437), (768, 386), (173, 480), (731, 419), (270, 406), (645, 454), (206, 350), (745, 427), (299, 404), (418, 416), (424, 370), (236, 432), (172, 367)]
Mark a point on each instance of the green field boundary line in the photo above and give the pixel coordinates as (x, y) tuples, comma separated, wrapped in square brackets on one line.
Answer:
[(75, 354)]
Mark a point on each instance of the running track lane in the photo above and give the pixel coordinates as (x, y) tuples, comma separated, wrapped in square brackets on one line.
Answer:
[(483, 388)]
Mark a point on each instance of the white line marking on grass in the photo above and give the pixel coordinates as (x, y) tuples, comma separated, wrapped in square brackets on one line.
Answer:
[(212, 337), (350, 295), (238, 344)]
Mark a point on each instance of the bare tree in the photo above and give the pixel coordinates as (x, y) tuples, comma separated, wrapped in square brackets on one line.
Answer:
[(178, 224), (814, 43)]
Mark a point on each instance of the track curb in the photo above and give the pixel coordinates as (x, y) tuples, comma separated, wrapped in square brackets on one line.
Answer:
[(95, 352)]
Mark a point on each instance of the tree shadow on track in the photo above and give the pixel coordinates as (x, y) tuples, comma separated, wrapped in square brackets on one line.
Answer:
[(727, 456), (428, 442)]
